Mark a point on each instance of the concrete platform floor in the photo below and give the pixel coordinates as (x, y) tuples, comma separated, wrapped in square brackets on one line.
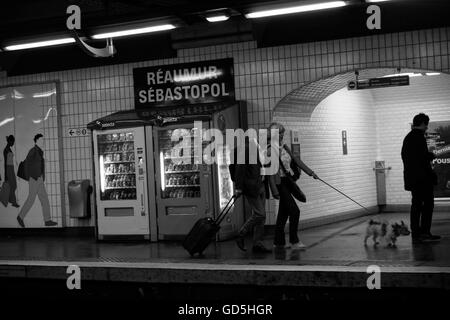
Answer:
[(335, 257), (335, 244)]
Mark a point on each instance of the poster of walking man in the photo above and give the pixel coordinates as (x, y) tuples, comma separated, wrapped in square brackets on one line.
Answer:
[(438, 140)]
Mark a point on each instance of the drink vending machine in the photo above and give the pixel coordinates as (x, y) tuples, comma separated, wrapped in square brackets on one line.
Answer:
[(144, 188), (121, 182)]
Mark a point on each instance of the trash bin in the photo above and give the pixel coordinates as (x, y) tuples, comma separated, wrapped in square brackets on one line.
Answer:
[(380, 178), (79, 192)]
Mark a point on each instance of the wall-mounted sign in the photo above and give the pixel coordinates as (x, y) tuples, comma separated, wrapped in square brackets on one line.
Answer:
[(344, 142), (295, 137), (438, 140), (183, 84), (378, 83), (77, 132)]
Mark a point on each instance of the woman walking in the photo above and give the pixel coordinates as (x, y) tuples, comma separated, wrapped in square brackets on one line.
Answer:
[(289, 167), (10, 175)]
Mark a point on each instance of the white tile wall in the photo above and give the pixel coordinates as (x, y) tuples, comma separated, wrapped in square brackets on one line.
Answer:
[(322, 151), (395, 109), (262, 77)]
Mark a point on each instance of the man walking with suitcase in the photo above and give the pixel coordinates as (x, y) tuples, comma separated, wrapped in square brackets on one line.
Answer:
[(419, 178), (249, 182)]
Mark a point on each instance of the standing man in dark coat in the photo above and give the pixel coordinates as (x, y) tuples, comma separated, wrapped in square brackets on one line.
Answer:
[(249, 182), (419, 178)]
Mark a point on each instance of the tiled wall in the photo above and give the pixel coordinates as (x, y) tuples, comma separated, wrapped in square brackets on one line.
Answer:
[(395, 109), (262, 77), (322, 150)]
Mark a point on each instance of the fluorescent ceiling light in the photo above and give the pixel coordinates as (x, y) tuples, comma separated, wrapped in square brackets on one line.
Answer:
[(296, 9), (409, 74), (129, 32), (413, 74), (217, 18), (40, 44)]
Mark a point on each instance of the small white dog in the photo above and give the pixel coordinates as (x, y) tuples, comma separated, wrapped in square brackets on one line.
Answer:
[(386, 231)]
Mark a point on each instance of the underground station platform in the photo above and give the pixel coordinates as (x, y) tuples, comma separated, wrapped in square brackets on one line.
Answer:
[(334, 266)]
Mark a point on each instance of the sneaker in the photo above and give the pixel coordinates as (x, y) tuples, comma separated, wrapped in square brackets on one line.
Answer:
[(298, 246), (16, 205), (429, 237), (259, 248), (240, 242), (50, 223), (20, 221)]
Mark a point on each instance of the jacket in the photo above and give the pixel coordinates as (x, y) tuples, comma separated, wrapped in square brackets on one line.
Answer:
[(296, 163), (417, 170), (248, 177), (34, 163)]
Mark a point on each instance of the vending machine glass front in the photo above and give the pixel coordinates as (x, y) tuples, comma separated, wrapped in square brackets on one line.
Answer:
[(180, 173), (116, 152), (226, 189)]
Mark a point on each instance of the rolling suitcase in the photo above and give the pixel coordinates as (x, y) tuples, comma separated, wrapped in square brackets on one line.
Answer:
[(204, 231)]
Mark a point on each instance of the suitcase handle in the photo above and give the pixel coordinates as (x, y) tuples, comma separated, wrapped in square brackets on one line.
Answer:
[(226, 209)]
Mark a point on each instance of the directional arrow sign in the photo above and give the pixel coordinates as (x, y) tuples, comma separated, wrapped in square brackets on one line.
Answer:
[(77, 132)]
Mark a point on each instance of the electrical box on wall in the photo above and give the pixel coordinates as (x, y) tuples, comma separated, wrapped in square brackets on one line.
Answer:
[(295, 142)]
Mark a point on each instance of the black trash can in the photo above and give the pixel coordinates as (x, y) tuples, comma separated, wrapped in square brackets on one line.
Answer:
[(79, 192)]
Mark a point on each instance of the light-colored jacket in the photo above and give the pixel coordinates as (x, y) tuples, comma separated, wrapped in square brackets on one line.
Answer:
[(275, 179)]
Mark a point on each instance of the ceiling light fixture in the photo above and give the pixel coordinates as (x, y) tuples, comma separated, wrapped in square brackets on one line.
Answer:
[(39, 44), (130, 32), (217, 18), (374, 1), (295, 9)]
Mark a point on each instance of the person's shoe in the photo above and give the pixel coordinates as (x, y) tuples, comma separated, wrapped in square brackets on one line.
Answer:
[(429, 237), (240, 242), (50, 223), (259, 248), (16, 205), (298, 246), (20, 221)]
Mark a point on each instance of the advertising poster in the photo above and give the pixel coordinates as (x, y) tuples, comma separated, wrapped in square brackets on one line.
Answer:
[(438, 139), (26, 111)]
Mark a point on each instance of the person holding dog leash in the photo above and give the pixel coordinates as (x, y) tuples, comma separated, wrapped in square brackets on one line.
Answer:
[(286, 189)]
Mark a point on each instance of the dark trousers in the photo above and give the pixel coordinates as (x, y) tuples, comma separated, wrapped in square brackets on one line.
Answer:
[(11, 178), (257, 220), (287, 209), (422, 205)]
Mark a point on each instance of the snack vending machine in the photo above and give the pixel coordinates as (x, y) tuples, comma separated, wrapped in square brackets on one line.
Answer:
[(121, 183), (188, 188)]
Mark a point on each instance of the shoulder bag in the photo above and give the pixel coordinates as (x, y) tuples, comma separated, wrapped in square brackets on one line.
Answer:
[(295, 190)]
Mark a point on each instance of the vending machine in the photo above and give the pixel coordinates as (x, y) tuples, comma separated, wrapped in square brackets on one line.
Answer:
[(188, 188), (121, 183)]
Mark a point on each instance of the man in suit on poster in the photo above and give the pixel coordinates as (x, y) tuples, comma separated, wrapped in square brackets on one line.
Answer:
[(35, 171)]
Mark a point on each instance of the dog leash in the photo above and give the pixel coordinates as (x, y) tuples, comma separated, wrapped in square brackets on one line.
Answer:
[(345, 195)]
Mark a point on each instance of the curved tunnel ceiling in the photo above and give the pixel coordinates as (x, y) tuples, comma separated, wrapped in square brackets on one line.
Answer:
[(302, 101)]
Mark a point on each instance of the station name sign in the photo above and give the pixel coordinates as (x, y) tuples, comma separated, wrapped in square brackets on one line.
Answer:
[(378, 83), (184, 84)]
